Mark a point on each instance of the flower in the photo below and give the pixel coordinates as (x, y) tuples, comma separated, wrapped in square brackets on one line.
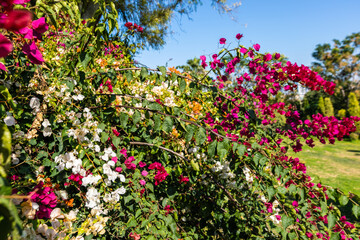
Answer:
[(134, 236), (9, 120), (256, 47), (142, 182), (222, 40), (5, 46), (239, 36), (33, 53), (17, 19)]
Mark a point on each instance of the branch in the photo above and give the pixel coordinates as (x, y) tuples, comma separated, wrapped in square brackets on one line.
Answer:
[(163, 148)]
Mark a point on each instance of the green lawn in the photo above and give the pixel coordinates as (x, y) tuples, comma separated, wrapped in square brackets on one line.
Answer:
[(337, 165)]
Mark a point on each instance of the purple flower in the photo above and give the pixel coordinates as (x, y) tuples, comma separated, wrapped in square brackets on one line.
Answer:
[(5, 46), (222, 40), (256, 47), (33, 53), (239, 36)]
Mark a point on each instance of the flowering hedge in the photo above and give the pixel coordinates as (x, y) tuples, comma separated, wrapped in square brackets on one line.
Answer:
[(102, 148)]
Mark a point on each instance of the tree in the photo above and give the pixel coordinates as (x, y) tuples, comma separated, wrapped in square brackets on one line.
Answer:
[(321, 106), (340, 63), (107, 150), (329, 109), (354, 108), (154, 16)]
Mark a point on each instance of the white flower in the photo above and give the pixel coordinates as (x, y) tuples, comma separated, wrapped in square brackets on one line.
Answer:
[(34, 103), (9, 120), (46, 123), (47, 132)]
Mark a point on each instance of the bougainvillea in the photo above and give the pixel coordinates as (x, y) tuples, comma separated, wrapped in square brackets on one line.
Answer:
[(103, 148)]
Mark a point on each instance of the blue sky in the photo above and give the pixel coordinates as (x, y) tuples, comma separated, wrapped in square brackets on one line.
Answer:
[(292, 28)]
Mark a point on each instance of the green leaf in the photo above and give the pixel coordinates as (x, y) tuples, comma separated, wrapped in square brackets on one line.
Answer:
[(331, 221), (85, 59), (157, 122), (136, 117), (211, 149), (335, 236), (194, 165), (200, 136), (143, 72), (182, 85), (128, 76), (343, 200), (356, 211), (162, 69), (271, 192), (167, 124), (104, 137), (190, 129), (124, 119), (286, 221)]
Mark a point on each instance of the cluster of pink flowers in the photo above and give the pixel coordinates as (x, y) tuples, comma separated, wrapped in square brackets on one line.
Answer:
[(45, 198), (18, 21), (108, 85), (161, 173), (134, 26)]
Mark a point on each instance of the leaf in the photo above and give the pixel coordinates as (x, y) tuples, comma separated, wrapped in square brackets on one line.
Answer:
[(182, 85), (343, 200), (194, 165), (167, 124), (128, 76), (5, 149), (200, 136), (157, 122), (331, 221), (162, 69), (356, 211), (287, 221), (190, 129), (143, 72), (124, 119), (136, 117), (104, 137), (211, 149), (271, 192), (85, 59)]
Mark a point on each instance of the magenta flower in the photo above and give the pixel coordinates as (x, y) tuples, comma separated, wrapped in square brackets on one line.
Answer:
[(2, 67), (239, 36), (17, 19), (5, 46), (256, 47), (33, 53), (118, 169), (40, 25), (142, 164), (142, 182), (222, 40), (144, 173)]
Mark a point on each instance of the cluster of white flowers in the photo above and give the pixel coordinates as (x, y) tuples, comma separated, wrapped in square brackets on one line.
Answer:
[(224, 171), (70, 161), (248, 176), (15, 154), (92, 198)]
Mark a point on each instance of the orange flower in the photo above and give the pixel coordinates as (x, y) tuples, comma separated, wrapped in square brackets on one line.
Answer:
[(70, 202)]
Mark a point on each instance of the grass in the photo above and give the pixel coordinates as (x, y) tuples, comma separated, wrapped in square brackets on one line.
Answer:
[(336, 165)]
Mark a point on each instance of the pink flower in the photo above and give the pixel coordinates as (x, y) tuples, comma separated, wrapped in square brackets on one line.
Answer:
[(142, 182), (2, 67), (134, 236), (115, 159), (183, 179), (40, 25), (256, 47), (222, 40), (17, 19), (295, 204), (5, 46), (123, 152), (144, 173), (118, 169), (239, 36), (142, 164), (33, 53)]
